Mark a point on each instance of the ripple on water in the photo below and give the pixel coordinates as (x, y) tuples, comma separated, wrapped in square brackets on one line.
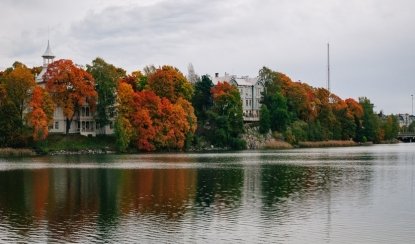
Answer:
[(353, 195)]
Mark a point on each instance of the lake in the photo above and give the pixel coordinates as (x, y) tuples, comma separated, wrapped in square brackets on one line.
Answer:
[(336, 195)]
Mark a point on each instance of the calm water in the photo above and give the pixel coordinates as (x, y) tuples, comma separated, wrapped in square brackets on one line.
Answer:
[(345, 195)]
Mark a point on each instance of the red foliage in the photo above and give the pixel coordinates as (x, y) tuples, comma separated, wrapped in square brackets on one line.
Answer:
[(70, 86)]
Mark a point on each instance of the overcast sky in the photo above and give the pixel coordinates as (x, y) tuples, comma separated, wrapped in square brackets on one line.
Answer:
[(372, 42)]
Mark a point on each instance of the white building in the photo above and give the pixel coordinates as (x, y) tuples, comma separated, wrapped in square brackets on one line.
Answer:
[(405, 119), (251, 90), (83, 121)]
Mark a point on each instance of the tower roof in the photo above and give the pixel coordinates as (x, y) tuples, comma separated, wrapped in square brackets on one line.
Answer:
[(48, 53)]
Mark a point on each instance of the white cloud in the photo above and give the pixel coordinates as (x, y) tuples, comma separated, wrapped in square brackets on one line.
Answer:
[(372, 40)]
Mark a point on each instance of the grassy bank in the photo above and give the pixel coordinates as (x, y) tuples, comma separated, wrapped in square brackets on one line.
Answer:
[(73, 143), (16, 152), (317, 144), (277, 145)]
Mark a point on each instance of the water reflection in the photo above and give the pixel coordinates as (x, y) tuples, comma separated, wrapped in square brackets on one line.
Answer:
[(297, 195)]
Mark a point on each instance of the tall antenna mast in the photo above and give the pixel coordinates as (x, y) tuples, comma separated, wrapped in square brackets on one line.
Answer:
[(328, 67)]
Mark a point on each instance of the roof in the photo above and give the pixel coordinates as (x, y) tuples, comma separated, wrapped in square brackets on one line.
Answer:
[(39, 77), (240, 81), (48, 53)]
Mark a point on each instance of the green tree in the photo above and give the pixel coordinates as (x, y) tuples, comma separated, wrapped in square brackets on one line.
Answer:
[(299, 131), (106, 77), (277, 105), (225, 116), (274, 100), (202, 98), (370, 121), (411, 127), (123, 133), (264, 119), (390, 127), (10, 121)]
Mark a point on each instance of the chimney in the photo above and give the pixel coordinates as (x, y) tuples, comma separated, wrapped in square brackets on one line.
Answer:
[(216, 75)]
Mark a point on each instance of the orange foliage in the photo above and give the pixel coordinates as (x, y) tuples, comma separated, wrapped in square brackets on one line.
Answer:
[(41, 113), (19, 82), (170, 83), (222, 88), (125, 99), (157, 122), (70, 86), (355, 107)]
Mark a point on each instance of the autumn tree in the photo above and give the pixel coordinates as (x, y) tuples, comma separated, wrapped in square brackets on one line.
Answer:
[(41, 113), (126, 107), (355, 109), (152, 122), (19, 83), (71, 87), (170, 83), (161, 124), (106, 77)]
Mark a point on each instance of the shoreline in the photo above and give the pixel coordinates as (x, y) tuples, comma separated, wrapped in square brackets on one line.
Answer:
[(24, 152)]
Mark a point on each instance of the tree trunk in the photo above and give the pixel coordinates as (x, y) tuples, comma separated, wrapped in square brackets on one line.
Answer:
[(68, 125)]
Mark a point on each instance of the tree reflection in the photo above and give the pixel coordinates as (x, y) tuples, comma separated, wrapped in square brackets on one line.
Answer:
[(158, 191), (219, 187)]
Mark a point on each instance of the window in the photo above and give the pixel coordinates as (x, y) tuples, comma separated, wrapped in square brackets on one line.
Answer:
[(246, 101), (82, 111), (57, 125), (87, 111)]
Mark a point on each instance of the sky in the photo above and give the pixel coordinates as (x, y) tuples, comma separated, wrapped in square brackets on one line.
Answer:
[(372, 42)]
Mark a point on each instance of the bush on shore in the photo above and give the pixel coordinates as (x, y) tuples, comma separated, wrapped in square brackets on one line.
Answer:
[(331, 143), (277, 145)]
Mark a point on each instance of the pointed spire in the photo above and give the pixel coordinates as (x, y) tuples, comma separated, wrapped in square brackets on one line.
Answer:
[(48, 53)]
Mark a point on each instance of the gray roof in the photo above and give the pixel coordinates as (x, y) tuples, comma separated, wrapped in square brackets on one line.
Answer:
[(48, 53), (240, 81), (39, 77)]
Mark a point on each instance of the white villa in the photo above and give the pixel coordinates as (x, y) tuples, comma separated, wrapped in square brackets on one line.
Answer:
[(251, 90), (83, 122)]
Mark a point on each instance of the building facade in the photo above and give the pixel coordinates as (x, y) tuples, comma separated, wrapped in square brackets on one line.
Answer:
[(405, 119), (251, 91), (83, 122)]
